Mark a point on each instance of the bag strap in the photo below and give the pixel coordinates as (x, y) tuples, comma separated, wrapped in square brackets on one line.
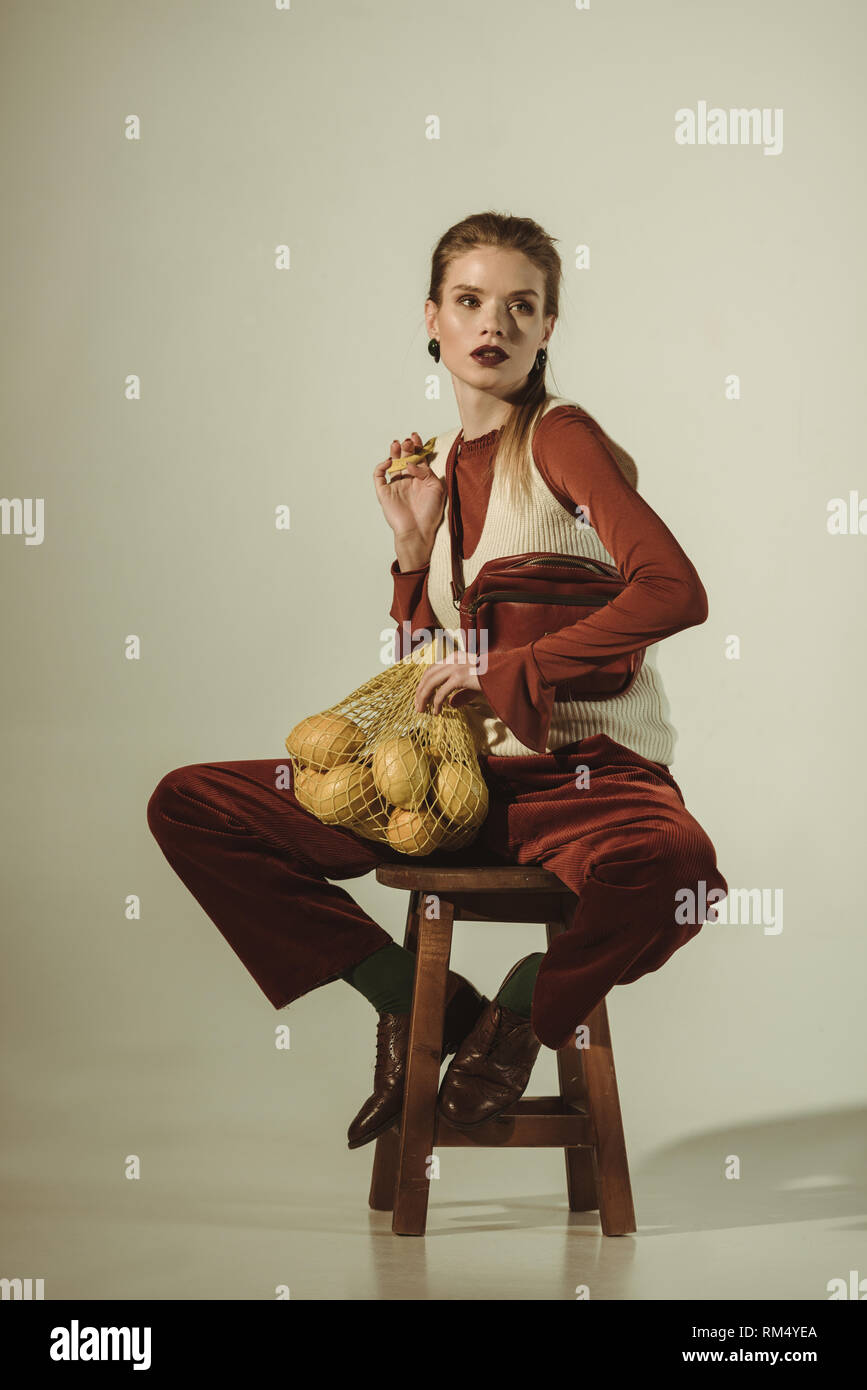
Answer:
[(454, 506), (455, 525)]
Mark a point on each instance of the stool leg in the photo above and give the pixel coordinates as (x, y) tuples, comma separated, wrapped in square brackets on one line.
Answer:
[(580, 1175), (614, 1192), (384, 1173), (383, 1178), (424, 1049), (580, 1172)]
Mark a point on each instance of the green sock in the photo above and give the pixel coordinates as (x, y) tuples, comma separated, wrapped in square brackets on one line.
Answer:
[(385, 978), (517, 992)]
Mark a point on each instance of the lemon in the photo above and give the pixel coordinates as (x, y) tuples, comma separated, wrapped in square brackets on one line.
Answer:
[(462, 793), (415, 832), (305, 784), (325, 740), (344, 793), (402, 772)]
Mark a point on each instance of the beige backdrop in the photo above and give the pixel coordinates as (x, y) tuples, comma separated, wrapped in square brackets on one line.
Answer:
[(264, 387)]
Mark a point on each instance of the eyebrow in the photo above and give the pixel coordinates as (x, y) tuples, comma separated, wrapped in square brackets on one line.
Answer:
[(476, 289)]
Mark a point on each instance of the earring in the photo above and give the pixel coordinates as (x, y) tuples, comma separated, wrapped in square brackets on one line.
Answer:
[(433, 348), (539, 364)]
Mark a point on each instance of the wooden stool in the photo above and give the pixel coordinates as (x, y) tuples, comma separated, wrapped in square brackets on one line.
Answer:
[(584, 1119)]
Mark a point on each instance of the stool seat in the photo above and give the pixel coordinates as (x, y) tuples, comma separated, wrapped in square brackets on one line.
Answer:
[(584, 1119), (513, 878)]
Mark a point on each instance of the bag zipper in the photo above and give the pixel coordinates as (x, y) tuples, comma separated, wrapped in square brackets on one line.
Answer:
[(533, 598), (563, 560)]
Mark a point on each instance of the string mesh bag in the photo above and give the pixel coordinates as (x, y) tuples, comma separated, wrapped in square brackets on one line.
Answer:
[(374, 764)]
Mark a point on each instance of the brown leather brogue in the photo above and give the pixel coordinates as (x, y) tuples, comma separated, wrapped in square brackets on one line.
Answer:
[(464, 1005), (492, 1066)]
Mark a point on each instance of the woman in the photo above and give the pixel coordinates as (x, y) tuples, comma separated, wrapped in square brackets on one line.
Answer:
[(582, 787)]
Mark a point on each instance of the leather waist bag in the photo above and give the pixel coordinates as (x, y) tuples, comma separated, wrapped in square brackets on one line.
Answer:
[(516, 599)]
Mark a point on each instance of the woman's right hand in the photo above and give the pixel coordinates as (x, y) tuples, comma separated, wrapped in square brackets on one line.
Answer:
[(412, 504)]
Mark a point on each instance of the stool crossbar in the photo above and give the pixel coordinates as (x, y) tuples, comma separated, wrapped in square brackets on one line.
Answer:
[(584, 1119)]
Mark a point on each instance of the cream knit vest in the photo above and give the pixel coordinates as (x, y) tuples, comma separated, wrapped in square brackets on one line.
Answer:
[(637, 719)]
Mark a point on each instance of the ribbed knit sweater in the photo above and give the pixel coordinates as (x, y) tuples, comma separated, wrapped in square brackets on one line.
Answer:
[(573, 465)]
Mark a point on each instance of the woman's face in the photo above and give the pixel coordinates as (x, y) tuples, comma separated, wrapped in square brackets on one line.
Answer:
[(491, 297)]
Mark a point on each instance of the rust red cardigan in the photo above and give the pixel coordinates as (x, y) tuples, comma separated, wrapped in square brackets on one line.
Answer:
[(664, 594)]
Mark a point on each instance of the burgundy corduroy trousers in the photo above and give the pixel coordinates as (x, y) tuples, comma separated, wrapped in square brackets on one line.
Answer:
[(259, 865)]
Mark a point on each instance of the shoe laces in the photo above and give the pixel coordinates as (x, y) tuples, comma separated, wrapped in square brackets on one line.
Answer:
[(384, 1035), (502, 1031)]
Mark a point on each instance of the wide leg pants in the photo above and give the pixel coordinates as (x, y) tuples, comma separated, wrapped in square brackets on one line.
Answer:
[(260, 866)]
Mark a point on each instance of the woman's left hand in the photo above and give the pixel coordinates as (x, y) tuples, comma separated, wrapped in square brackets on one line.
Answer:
[(447, 679)]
